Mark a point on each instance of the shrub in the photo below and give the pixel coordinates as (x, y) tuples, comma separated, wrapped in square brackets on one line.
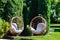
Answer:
[(2, 5), (11, 8), (4, 27)]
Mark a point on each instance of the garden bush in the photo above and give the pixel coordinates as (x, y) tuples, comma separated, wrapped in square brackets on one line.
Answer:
[(2, 5), (10, 8), (4, 27)]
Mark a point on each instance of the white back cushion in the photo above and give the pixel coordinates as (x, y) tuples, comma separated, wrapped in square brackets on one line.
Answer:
[(40, 27)]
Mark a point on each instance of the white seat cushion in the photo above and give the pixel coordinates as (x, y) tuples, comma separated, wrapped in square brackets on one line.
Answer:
[(39, 28), (14, 26)]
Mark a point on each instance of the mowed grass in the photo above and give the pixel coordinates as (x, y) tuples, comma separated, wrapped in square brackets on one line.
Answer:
[(49, 36)]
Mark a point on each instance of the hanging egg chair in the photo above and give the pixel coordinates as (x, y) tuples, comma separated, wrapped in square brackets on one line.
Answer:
[(17, 26), (38, 25)]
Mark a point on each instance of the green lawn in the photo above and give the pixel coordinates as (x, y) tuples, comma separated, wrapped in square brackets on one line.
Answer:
[(49, 36)]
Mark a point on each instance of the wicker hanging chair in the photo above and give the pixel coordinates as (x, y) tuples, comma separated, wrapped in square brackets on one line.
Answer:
[(14, 29), (38, 25)]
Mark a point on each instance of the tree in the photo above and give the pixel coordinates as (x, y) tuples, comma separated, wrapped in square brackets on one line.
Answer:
[(2, 5), (12, 8)]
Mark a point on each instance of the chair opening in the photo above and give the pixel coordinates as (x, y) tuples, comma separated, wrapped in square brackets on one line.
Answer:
[(17, 25), (38, 25)]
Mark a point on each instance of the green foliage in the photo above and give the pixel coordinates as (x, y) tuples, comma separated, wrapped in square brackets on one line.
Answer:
[(28, 30), (11, 8), (4, 27), (26, 11), (26, 19), (48, 14), (58, 9), (2, 5), (33, 9), (38, 7), (42, 8), (16, 38)]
